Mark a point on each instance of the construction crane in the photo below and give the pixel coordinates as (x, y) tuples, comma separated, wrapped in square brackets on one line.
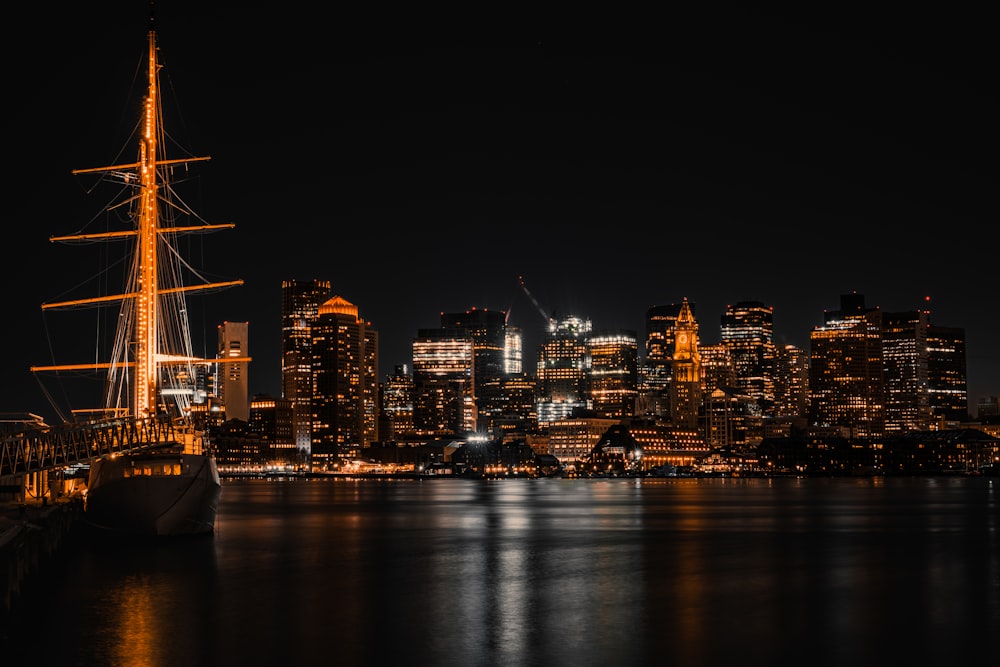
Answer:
[(550, 320)]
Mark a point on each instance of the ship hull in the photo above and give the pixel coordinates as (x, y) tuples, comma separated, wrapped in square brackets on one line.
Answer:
[(155, 494)]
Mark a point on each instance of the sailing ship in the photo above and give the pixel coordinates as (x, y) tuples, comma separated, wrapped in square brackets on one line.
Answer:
[(167, 484)]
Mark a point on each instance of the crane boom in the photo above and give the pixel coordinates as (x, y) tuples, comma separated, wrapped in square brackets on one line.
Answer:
[(548, 319)]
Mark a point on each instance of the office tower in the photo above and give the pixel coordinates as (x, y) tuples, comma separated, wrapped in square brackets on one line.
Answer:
[(748, 331), (563, 368), (905, 371), (233, 387), (655, 370), (946, 373), (345, 384), (443, 382), (520, 412), (846, 387), (613, 379), (272, 421), (397, 404), (513, 353), (685, 385), (300, 302), (488, 329), (791, 382), (717, 369)]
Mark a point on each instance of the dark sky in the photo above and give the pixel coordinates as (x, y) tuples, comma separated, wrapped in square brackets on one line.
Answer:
[(423, 162)]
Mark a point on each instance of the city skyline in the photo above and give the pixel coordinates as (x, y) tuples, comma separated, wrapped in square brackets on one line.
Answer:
[(786, 159)]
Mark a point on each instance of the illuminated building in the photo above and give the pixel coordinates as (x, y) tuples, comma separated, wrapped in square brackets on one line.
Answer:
[(345, 383), (613, 373), (791, 382), (563, 368), (571, 439), (271, 420), (488, 329), (655, 371), (905, 371), (685, 385), (397, 404), (748, 331), (233, 389), (513, 351), (664, 444), (946, 373), (717, 370), (846, 386), (300, 302), (443, 382), (519, 415)]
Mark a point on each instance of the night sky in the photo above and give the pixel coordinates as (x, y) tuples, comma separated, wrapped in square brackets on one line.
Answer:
[(423, 162)]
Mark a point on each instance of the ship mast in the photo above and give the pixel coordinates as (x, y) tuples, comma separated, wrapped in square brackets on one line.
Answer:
[(143, 346), (144, 401)]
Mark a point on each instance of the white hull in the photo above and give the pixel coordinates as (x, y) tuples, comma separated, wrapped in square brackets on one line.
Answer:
[(162, 494)]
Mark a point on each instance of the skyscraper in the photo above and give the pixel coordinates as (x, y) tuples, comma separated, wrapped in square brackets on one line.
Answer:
[(905, 371), (563, 368), (488, 329), (300, 302), (345, 383), (443, 382), (846, 386), (748, 331), (946, 373), (614, 361)]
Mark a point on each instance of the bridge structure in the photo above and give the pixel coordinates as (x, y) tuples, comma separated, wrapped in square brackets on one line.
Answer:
[(51, 448)]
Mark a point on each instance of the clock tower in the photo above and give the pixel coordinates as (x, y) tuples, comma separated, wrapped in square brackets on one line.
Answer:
[(685, 388)]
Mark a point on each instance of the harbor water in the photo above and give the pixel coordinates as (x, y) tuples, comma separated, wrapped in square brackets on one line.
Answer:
[(842, 571)]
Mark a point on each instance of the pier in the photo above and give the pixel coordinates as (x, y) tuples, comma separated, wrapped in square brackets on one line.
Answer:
[(30, 534)]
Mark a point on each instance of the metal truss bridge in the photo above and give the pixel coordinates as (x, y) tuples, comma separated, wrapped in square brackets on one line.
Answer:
[(55, 447)]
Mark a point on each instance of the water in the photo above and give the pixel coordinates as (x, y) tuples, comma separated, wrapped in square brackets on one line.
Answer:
[(541, 572)]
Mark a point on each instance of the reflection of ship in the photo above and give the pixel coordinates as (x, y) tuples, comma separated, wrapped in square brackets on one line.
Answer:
[(165, 482)]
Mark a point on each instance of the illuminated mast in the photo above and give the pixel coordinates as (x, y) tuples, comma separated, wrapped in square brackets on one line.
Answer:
[(144, 402)]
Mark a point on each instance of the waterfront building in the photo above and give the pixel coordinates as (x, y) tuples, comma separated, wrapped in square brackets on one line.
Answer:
[(666, 445), (846, 385), (272, 421), (613, 374), (300, 300), (572, 439), (237, 447), (233, 385), (345, 383)]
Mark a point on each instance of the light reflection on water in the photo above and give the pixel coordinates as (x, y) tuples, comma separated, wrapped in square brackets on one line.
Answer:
[(552, 571)]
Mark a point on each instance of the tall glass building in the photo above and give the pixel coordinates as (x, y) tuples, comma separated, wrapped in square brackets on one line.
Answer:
[(300, 301)]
